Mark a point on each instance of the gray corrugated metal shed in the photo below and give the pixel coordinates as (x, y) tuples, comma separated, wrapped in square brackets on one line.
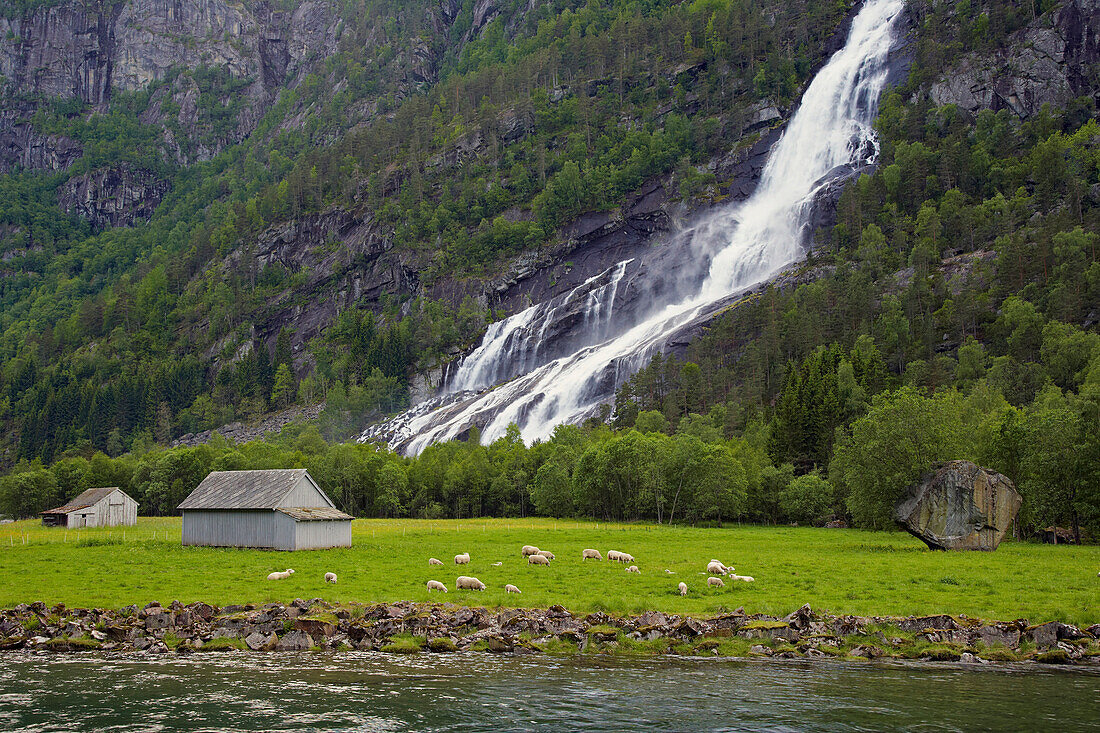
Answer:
[(279, 510), (245, 489), (84, 499)]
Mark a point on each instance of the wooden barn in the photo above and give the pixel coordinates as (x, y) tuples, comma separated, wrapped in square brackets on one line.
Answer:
[(105, 507), (276, 510)]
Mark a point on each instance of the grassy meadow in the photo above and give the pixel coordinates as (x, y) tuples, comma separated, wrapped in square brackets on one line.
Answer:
[(840, 571)]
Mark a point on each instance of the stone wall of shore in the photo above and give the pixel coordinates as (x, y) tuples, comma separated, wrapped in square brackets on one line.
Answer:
[(410, 627)]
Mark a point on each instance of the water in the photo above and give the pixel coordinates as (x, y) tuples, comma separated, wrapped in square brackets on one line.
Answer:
[(828, 138), (477, 692), (519, 343)]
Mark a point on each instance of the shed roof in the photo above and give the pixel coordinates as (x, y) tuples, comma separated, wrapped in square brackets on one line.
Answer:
[(85, 499), (313, 514), (245, 489)]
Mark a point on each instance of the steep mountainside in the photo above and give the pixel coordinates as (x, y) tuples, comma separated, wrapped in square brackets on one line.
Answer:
[(188, 182), (342, 236)]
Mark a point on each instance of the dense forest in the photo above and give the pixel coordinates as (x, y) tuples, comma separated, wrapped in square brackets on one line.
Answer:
[(950, 312)]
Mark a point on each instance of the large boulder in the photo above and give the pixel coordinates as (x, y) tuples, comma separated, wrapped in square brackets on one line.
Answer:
[(959, 506)]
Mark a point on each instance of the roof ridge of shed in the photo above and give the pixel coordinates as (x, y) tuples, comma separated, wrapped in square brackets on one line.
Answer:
[(261, 488)]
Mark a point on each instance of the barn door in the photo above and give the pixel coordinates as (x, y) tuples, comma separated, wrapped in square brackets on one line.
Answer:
[(115, 515)]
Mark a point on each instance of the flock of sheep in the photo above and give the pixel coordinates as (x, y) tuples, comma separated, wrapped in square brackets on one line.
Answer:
[(535, 556)]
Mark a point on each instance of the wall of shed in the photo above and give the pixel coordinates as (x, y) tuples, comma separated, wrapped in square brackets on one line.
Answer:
[(317, 535), (236, 528), (304, 493)]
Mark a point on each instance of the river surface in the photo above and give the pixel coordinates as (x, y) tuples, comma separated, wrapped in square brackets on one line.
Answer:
[(356, 691)]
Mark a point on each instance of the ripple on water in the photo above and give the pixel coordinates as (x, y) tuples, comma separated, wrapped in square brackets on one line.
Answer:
[(479, 692)]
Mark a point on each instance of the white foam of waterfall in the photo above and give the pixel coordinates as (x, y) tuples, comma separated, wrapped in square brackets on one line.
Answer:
[(519, 343), (747, 244)]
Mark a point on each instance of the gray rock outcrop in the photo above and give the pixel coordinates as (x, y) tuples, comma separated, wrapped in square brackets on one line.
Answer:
[(112, 197), (1048, 62), (86, 51), (959, 506)]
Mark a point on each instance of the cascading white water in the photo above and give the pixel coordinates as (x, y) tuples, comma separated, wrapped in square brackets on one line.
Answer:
[(518, 343), (747, 244)]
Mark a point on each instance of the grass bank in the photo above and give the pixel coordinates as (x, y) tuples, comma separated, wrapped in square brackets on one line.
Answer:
[(838, 571)]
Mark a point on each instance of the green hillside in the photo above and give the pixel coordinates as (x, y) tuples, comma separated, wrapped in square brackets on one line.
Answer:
[(950, 312)]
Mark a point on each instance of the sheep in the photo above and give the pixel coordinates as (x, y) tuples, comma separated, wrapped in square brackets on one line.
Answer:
[(670, 572), (593, 554), (633, 569), (727, 568), (528, 550), (716, 568), (546, 553), (469, 583), (626, 557), (746, 578), (281, 575), (537, 560), (497, 564), (436, 585), (613, 555), (433, 561), (330, 577), (463, 559), (716, 582), (511, 589), (683, 589)]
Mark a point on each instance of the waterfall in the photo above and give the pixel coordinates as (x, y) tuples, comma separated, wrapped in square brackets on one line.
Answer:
[(746, 244), (520, 343)]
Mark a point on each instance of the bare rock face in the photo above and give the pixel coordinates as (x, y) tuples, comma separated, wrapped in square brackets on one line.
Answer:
[(88, 50), (959, 506), (24, 147), (113, 197), (1047, 62)]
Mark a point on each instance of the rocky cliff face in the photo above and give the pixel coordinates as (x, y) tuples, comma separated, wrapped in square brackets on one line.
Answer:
[(89, 51), (24, 147), (1052, 61), (113, 197)]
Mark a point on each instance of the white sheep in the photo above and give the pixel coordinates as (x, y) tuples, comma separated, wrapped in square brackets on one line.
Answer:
[(546, 553), (746, 578), (436, 585), (633, 569), (591, 554), (716, 582), (716, 568), (528, 550), (537, 560), (727, 568), (669, 571), (497, 564), (626, 557), (613, 555), (433, 561), (281, 575), (469, 583), (330, 577), (683, 589), (463, 559), (511, 589)]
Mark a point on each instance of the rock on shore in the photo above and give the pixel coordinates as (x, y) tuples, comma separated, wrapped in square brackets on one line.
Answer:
[(403, 627)]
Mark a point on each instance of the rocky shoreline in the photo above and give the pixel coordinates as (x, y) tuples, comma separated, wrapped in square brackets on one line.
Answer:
[(407, 627)]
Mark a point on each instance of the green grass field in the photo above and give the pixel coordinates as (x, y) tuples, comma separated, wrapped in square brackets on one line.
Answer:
[(840, 571)]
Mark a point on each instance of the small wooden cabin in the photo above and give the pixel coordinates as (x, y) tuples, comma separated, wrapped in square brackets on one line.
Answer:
[(276, 510), (105, 507)]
